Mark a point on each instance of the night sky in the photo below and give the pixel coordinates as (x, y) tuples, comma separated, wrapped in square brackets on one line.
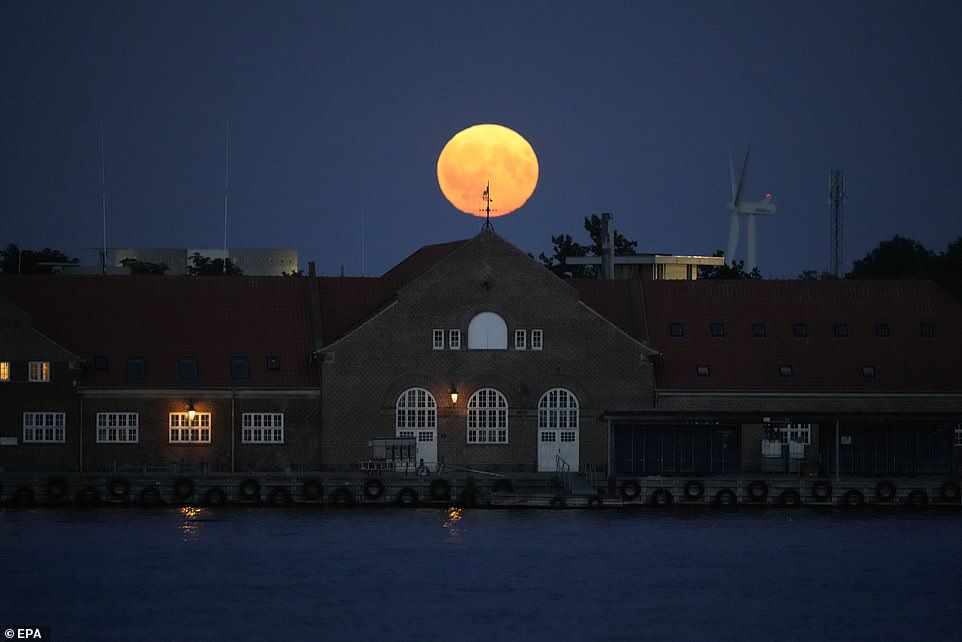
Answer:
[(341, 107)]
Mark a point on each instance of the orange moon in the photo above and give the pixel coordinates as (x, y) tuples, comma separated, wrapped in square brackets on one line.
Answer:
[(484, 153)]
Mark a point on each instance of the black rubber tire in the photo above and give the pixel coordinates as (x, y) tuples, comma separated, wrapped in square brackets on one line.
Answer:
[(440, 489), (183, 489), (630, 489), (312, 490), (23, 497), (119, 488), (502, 486), (279, 497), (726, 498), (558, 501), (373, 489), (661, 498), (789, 498), (215, 497), (853, 499), (87, 497), (758, 491), (595, 502), (150, 496), (342, 497), (949, 491), (57, 488), (407, 497), (250, 489), (821, 491), (885, 491), (694, 490), (918, 498)]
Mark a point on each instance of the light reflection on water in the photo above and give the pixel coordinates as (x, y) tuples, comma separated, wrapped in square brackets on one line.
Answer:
[(368, 574)]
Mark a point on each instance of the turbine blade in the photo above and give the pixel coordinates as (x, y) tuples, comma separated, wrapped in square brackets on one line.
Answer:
[(731, 167), (743, 179)]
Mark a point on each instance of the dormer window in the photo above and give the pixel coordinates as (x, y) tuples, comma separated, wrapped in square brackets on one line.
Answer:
[(273, 363), (841, 329), (868, 371), (799, 330), (759, 330), (187, 368), (240, 368), (786, 371), (881, 329), (100, 363), (676, 330), (717, 329), (703, 371), (927, 330), (136, 368)]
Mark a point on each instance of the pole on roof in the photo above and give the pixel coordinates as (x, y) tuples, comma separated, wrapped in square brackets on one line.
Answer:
[(226, 192)]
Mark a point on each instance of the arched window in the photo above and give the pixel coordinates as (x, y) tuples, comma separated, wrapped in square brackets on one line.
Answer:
[(487, 417), (558, 410), (416, 409), (487, 331)]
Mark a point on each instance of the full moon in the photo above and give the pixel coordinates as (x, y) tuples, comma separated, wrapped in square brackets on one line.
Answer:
[(482, 154)]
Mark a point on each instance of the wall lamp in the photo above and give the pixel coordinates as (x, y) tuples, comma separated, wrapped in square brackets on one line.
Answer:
[(191, 413), (454, 395)]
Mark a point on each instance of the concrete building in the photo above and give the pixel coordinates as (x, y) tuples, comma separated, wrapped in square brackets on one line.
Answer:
[(253, 262)]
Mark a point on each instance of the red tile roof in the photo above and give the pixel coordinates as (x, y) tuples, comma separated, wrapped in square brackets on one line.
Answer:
[(423, 259), (348, 301), (905, 360)]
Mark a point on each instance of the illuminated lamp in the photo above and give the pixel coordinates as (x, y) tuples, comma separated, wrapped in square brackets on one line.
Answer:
[(191, 413), (454, 395)]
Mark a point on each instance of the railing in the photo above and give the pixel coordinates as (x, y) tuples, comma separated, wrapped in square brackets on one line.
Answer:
[(591, 473), (563, 472)]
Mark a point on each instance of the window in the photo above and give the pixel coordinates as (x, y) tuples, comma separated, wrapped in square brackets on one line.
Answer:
[(927, 330), (487, 331), (39, 371), (799, 330), (786, 371), (416, 408), (520, 339), (797, 433), (703, 371), (183, 430), (881, 329), (438, 341), (759, 330), (262, 428), (136, 368), (537, 339), (676, 330), (558, 409), (4, 371), (841, 329), (487, 417), (273, 363), (717, 329), (958, 435), (240, 368), (118, 427), (100, 363), (454, 339), (868, 371), (187, 368), (43, 427)]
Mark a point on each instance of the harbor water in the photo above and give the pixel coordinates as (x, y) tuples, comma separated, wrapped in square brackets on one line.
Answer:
[(463, 574)]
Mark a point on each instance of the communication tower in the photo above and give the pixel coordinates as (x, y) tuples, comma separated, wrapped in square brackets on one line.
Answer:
[(836, 201)]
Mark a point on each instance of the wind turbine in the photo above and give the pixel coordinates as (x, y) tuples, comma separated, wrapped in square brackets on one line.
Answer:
[(750, 210)]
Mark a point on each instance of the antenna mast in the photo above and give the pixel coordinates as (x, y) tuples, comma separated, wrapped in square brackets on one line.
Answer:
[(103, 197), (226, 192), (836, 200)]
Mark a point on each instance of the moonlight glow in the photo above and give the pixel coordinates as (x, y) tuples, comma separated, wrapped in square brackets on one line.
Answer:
[(484, 153)]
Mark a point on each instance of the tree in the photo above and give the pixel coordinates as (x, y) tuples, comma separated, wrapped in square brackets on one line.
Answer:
[(563, 247), (735, 270), (14, 260), (898, 258), (144, 267), (206, 266)]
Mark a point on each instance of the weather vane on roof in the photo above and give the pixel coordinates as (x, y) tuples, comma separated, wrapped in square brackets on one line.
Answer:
[(486, 197)]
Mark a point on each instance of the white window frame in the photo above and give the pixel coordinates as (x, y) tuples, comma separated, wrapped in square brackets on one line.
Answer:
[(262, 428), (558, 410), (416, 409), (520, 339), (438, 339), (454, 339), (4, 371), (44, 427), (797, 433), (184, 431), (118, 428), (537, 339), (39, 371), (487, 417)]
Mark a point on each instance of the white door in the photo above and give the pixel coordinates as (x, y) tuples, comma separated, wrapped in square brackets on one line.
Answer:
[(555, 442), (427, 446)]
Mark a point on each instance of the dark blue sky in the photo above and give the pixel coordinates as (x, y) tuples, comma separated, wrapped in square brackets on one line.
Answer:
[(631, 107)]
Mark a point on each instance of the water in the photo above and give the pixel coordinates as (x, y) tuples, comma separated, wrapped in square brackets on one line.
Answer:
[(481, 574)]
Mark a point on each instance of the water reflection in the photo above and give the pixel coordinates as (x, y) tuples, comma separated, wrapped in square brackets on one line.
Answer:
[(191, 524), (454, 518)]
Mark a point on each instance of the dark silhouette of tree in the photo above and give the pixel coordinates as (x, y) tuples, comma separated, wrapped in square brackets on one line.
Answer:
[(815, 275), (563, 247), (144, 267), (14, 260), (733, 270), (206, 266), (898, 258)]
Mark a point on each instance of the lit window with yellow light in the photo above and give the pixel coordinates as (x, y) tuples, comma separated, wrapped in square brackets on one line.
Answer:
[(39, 370), (4, 371)]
